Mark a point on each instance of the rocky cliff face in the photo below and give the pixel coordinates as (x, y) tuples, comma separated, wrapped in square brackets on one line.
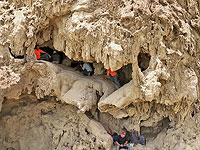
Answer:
[(49, 106)]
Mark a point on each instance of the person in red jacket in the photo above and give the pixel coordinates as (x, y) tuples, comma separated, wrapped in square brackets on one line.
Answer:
[(41, 55), (113, 76)]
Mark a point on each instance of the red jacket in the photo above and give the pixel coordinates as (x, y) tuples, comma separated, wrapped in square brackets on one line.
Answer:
[(112, 73), (38, 53)]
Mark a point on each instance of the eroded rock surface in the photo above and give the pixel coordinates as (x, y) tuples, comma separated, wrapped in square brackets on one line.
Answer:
[(49, 125), (158, 38)]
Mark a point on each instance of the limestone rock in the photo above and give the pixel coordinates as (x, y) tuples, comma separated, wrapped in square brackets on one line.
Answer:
[(159, 39), (52, 125)]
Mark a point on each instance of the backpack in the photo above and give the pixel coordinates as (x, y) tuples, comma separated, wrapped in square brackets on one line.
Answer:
[(114, 139), (115, 135), (142, 140), (134, 137)]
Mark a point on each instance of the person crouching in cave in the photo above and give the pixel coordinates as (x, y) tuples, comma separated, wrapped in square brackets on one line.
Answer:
[(86, 68), (41, 55), (56, 58), (113, 76), (122, 141)]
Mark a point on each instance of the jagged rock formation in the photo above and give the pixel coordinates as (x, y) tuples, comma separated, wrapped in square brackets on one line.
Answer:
[(158, 38), (52, 126)]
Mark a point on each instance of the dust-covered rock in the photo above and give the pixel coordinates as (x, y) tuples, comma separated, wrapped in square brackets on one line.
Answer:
[(159, 39)]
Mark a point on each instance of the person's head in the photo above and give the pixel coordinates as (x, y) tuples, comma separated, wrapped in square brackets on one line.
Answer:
[(37, 47), (115, 134), (123, 134)]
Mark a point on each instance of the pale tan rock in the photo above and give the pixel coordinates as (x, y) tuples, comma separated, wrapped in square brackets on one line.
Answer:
[(98, 68), (8, 77), (1, 101), (111, 33), (52, 125), (67, 85)]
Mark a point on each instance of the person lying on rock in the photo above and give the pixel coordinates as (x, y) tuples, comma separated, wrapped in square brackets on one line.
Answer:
[(113, 76), (122, 141), (41, 55), (87, 69)]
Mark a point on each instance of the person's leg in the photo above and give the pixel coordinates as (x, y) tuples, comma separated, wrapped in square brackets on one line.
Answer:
[(125, 147), (112, 78), (117, 148), (116, 81), (87, 73), (90, 73), (44, 57), (128, 146)]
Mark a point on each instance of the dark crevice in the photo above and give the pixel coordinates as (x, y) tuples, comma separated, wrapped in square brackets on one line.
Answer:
[(45, 112), (162, 81), (152, 132), (87, 131), (15, 56), (143, 61), (192, 114), (175, 30), (98, 113), (56, 56), (125, 74), (76, 65), (49, 98), (89, 114)]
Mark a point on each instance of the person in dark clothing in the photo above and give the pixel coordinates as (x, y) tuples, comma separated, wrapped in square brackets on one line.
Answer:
[(122, 141), (115, 135), (113, 76), (56, 58)]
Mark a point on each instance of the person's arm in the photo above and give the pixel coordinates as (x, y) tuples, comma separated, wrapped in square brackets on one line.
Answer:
[(108, 72), (126, 142), (45, 53), (118, 144), (84, 67), (48, 55)]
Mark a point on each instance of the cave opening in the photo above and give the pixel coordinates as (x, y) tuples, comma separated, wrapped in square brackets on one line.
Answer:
[(143, 61), (77, 66), (125, 74), (59, 57), (56, 56), (152, 132)]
